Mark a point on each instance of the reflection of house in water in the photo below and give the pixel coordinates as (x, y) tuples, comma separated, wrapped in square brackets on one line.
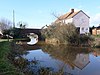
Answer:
[(82, 60), (71, 56)]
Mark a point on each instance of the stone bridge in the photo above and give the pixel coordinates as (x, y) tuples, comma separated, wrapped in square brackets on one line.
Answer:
[(27, 31)]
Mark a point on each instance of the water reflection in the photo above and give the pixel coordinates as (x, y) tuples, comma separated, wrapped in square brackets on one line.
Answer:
[(63, 59), (33, 38), (81, 61), (72, 56), (96, 52), (58, 60)]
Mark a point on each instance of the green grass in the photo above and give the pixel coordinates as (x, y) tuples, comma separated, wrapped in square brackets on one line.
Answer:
[(1, 40), (97, 36), (6, 68)]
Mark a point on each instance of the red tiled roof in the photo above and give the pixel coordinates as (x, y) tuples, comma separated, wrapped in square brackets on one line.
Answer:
[(69, 15)]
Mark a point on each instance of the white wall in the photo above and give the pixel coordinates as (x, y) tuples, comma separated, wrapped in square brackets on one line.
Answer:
[(79, 20), (69, 20), (82, 21)]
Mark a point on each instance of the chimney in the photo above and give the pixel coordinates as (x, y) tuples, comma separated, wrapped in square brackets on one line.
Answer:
[(72, 10)]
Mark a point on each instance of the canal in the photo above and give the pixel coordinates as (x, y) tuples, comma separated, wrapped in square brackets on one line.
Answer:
[(59, 60)]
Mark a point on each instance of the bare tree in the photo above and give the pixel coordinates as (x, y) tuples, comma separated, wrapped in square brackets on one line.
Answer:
[(5, 24), (56, 16), (59, 18)]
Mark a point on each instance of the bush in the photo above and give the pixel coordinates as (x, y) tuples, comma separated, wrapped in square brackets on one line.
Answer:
[(85, 39), (65, 33)]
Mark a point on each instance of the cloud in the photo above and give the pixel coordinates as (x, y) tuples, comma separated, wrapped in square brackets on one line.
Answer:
[(95, 20)]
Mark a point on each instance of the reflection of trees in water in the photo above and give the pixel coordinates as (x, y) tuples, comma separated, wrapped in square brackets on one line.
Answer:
[(65, 53), (61, 52)]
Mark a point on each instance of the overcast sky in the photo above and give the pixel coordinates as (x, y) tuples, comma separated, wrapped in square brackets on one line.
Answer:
[(38, 13)]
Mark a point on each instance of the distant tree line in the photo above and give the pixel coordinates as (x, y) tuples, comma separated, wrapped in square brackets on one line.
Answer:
[(6, 28)]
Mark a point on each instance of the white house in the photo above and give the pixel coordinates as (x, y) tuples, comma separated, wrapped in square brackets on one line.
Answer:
[(79, 19)]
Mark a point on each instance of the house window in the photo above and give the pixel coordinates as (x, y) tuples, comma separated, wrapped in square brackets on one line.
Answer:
[(86, 29), (63, 21), (82, 29)]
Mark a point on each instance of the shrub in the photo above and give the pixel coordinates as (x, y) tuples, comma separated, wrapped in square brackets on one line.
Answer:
[(85, 39), (65, 33)]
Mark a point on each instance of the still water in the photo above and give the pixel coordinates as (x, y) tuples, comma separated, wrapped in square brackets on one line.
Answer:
[(70, 60)]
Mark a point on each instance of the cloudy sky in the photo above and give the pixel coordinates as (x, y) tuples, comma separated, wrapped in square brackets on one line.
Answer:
[(38, 13)]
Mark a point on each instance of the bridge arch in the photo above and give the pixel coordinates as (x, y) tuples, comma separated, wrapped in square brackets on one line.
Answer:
[(27, 31)]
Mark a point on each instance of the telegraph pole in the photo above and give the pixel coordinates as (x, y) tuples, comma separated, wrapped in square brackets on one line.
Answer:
[(13, 19)]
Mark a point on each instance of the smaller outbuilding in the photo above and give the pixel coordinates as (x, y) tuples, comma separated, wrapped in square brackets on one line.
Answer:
[(96, 30)]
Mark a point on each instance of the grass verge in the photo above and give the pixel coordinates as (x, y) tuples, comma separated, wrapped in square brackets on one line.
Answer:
[(6, 68)]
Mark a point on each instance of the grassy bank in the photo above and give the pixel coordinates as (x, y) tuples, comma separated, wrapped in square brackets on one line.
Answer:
[(1, 40), (6, 68)]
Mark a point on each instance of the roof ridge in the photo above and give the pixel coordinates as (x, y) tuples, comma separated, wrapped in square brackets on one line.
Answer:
[(72, 13), (69, 15)]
